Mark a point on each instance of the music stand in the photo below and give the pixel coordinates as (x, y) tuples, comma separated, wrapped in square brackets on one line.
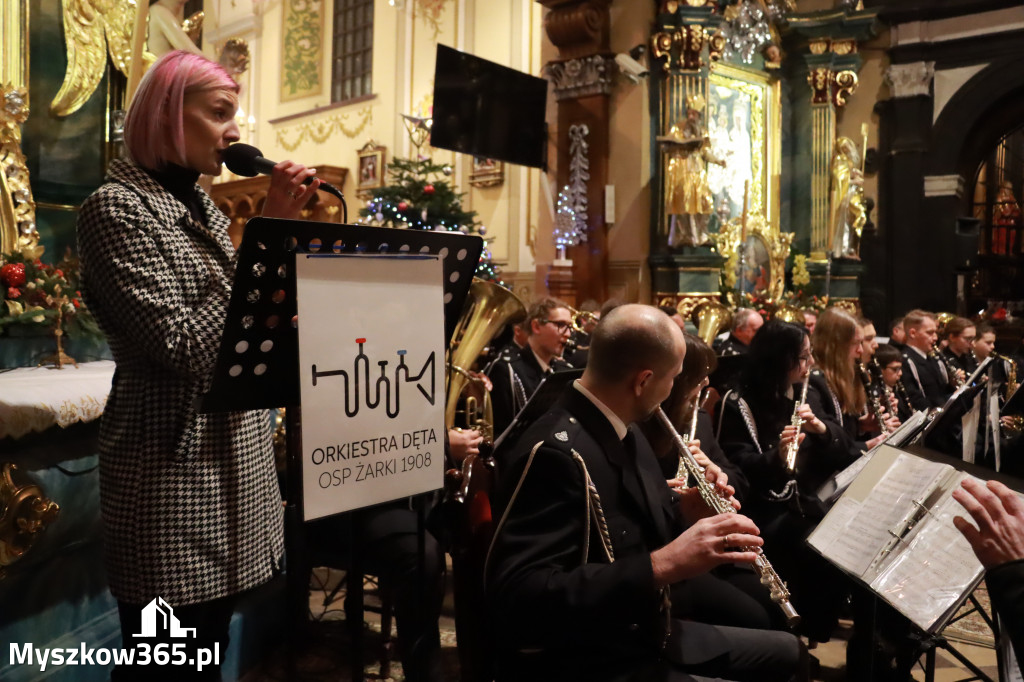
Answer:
[(258, 362), (551, 388)]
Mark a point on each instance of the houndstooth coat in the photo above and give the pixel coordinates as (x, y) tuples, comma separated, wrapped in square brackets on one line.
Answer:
[(190, 502)]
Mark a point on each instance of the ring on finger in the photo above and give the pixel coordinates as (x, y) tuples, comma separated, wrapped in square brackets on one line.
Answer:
[(725, 543), (291, 194)]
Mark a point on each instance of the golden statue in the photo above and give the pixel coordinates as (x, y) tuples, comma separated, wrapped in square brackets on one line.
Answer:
[(688, 200), (847, 212)]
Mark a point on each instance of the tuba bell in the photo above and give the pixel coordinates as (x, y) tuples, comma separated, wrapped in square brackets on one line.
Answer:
[(788, 313), (710, 318), (488, 308)]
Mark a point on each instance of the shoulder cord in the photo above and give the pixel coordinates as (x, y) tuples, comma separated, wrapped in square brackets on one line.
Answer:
[(519, 396), (917, 377), (595, 510), (508, 508), (748, 418)]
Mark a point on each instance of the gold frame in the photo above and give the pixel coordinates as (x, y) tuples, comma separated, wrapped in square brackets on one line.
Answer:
[(18, 230), (776, 245), (766, 153), (370, 153), (486, 172)]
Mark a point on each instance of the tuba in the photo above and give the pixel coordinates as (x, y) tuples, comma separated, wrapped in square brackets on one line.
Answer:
[(710, 318), (788, 313), (489, 307)]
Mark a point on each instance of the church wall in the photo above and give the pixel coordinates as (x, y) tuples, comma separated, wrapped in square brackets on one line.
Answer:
[(309, 129)]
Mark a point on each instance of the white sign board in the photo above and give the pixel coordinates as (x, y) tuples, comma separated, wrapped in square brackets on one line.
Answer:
[(371, 368)]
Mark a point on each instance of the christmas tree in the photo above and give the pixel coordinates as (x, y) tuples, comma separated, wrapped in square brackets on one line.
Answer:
[(419, 197)]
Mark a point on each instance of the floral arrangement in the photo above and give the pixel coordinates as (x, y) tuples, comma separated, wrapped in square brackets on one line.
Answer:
[(35, 297)]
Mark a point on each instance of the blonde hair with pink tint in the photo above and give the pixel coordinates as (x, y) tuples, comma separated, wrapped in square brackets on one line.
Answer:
[(153, 130)]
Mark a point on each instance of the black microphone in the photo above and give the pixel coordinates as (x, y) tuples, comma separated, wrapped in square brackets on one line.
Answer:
[(246, 160)]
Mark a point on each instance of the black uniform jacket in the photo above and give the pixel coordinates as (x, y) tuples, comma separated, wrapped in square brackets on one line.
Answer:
[(563, 606), (925, 380), (515, 378), (1006, 587), (749, 434)]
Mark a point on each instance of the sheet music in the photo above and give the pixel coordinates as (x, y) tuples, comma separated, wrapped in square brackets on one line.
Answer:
[(898, 437), (855, 524), (936, 567)]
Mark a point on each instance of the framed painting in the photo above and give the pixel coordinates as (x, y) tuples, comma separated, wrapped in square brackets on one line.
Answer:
[(486, 172), (744, 131), (370, 168)]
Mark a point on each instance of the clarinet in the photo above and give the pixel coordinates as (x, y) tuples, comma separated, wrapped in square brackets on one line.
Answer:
[(951, 371), (795, 420), (890, 399), (720, 504), (876, 406)]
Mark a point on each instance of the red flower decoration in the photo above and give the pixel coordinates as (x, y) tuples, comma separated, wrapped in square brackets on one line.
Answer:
[(13, 292), (13, 274), (999, 315)]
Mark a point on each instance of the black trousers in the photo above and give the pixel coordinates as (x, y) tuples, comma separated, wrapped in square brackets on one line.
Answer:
[(210, 621)]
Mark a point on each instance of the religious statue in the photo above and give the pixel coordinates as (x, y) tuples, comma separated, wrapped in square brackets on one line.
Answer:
[(847, 212), (166, 28), (1005, 217), (688, 200)]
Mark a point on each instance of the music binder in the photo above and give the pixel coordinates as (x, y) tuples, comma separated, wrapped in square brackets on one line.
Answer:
[(551, 387), (892, 530)]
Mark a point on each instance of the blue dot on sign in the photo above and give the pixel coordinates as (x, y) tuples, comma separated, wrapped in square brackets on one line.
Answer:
[(402, 352)]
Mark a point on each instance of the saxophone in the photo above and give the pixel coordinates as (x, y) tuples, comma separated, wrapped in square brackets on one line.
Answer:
[(873, 402), (795, 420), (720, 504)]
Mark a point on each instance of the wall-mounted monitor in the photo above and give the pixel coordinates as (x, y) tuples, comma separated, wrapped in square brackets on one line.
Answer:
[(488, 110)]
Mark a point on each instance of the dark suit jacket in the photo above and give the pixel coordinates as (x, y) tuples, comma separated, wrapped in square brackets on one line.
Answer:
[(925, 380), (561, 608)]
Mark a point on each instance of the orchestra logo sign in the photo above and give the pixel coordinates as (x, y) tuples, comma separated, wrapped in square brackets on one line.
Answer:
[(371, 357)]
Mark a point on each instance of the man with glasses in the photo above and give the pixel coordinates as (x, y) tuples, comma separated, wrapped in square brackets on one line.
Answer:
[(548, 325), (890, 361), (960, 334)]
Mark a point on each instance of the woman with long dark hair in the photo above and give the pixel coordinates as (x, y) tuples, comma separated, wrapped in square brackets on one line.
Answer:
[(755, 431)]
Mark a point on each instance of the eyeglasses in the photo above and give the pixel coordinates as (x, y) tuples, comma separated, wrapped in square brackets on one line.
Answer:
[(562, 327)]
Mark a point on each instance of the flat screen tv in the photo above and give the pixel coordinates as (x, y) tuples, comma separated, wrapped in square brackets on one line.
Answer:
[(488, 110)]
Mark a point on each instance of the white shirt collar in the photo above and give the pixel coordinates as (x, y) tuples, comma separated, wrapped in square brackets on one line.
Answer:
[(620, 426), (919, 351)]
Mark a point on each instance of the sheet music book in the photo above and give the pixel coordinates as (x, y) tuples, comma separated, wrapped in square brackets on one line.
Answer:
[(906, 432), (893, 530)]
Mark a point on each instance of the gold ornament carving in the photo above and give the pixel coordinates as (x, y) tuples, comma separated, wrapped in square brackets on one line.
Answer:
[(818, 46), (845, 83), (716, 46), (17, 209), (765, 252), (845, 46), (92, 28), (321, 129), (820, 80), (682, 48), (24, 513)]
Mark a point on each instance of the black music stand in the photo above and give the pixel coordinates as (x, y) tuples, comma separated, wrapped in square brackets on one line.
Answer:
[(258, 362)]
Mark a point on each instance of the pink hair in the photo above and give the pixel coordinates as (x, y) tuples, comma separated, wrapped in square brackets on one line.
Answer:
[(153, 132)]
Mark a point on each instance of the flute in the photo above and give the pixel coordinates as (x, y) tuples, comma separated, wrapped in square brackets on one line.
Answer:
[(795, 420), (682, 472), (720, 504)]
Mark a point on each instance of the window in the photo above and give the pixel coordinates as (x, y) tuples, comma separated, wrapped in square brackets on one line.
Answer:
[(353, 50)]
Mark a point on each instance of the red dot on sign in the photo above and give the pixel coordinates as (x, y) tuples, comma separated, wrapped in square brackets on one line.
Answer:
[(360, 340)]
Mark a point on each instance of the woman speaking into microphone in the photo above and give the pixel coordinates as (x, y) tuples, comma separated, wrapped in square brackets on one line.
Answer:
[(190, 503)]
